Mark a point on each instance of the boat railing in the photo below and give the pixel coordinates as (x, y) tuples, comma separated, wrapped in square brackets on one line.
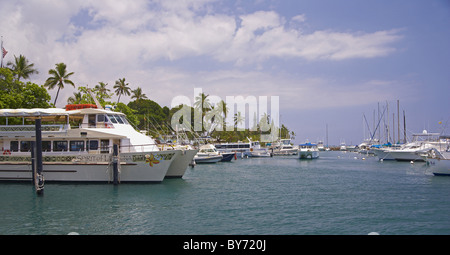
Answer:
[(139, 148), (93, 125), (31, 128)]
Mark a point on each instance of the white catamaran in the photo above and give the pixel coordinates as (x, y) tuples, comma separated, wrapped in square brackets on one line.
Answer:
[(77, 146)]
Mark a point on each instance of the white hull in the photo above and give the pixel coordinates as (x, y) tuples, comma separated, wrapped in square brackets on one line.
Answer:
[(208, 159), (260, 154), (180, 163), (406, 155), (308, 154), (439, 166), (134, 167), (384, 154), (286, 152)]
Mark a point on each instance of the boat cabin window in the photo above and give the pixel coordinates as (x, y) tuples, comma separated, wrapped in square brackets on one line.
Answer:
[(46, 146), (25, 146), (119, 119), (91, 120), (14, 145), (59, 145), (104, 146), (101, 118), (92, 145), (76, 145), (112, 118)]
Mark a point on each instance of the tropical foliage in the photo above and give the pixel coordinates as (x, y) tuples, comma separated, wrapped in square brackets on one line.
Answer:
[(121, 88), (59, 77), (142, 112), (16, 94), (21, 68)]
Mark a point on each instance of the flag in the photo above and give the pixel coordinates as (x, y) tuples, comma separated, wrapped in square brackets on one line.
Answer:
[(4, 52)]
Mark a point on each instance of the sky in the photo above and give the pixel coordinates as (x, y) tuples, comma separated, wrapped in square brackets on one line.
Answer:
[(331, 63)]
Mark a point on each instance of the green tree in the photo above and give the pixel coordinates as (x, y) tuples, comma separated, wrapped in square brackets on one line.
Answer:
[(102, 91), (121, 88), (77, 98), (21, 67), (15, 94), (148, 112), (59, 77), (137, 93)]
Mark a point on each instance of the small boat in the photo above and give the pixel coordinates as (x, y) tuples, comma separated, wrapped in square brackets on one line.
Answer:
[(422, 142), (439, 162), (256, 151), (343, 147), (228, 156), (308, 150), (207, 154), (284, 148)]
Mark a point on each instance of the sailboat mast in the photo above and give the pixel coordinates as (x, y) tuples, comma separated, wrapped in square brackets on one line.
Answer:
[(398, 119), (404, 127)]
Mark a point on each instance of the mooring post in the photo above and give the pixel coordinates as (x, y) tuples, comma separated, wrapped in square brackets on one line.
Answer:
[(38, 177), (115, 164), (33, 161)]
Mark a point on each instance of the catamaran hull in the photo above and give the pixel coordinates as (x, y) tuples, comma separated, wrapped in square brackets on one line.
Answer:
[(285, 152), (439, 166), (308, 154), (180, 164), (406, 156), (133, 167)]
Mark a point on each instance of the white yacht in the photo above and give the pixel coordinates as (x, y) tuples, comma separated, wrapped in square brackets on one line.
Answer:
[(208, 154), (284, 147), (257, 151), (439, 162), (421, 143), (241, 149), (244, 149), (77, 146), (320, 146), (308, 150), (343, 147)]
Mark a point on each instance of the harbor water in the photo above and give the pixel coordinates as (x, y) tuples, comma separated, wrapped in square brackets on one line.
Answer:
[(337, 194)]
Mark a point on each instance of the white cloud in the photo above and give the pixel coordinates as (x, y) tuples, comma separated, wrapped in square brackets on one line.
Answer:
[(128, 38)]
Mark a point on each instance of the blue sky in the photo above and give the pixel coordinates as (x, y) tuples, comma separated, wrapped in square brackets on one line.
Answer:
[(329, 61)]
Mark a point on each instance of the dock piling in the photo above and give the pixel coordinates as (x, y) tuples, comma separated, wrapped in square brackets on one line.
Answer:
[(38, 177), (115, 164)]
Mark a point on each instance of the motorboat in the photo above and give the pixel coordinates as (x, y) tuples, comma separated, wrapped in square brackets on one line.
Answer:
[(439, 162), (284, 148), (207, 154), (77, 146), (308, 151), (422, 142)]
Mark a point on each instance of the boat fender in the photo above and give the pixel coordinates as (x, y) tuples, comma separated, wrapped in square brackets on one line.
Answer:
[(6, 152)]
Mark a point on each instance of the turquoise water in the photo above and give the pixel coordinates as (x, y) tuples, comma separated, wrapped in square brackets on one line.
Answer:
[(333, 195)]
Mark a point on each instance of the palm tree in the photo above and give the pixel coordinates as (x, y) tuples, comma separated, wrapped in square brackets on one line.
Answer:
[(121, 88), (76, 99), (101, 90), (21, 67), (225, 110), (238, 119), (59, 78), (137, 93)]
